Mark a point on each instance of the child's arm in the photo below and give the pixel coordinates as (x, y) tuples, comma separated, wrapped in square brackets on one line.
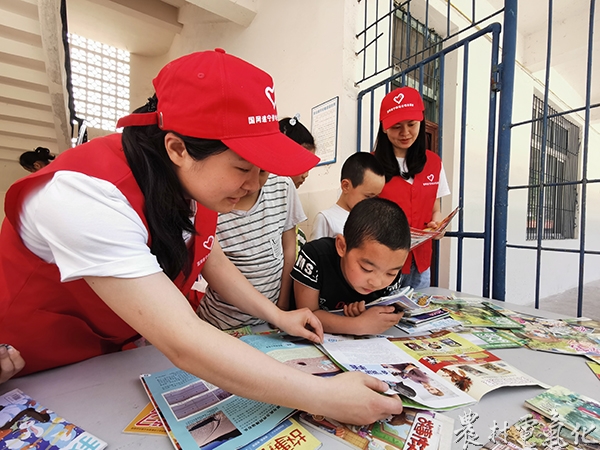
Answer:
[(288, 241), (374, 320)]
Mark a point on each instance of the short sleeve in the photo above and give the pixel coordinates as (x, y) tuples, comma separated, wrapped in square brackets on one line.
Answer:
[(295, 213), (443, 188), (306, 268), (320, 227), (86, 227)]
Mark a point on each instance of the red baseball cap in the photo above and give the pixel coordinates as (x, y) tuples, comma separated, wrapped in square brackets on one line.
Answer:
[(213, 95), (404, 103)]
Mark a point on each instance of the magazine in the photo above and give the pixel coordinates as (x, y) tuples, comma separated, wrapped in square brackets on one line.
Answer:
[(595, 368), (287, 435), (405, 375), (197, 414), (24, 423), (478, 314), (430, 327), (469, 367), (418, 237), (489, 338), (294, 351), (146, 422), (574, 411), (428, 316), (426, 430), (535, 432)]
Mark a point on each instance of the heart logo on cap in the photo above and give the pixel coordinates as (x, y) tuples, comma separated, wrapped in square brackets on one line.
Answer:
[(270, 93), (398, 98), (208, 243), (430, 177)]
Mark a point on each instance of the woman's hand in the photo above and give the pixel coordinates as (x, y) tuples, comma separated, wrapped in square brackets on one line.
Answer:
[(356, 398), (301, 322), (11, 362)]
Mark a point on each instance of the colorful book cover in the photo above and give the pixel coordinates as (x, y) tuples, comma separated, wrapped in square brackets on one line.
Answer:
[(535, 432), (467, 366), (428, 316), (425, 430), (146, 422), (197, 414), (287, 435), (490, 338), (24, 423), (574, 411)]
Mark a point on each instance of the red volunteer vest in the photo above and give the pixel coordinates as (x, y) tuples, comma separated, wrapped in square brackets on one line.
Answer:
[(417, 200), (53, 323)]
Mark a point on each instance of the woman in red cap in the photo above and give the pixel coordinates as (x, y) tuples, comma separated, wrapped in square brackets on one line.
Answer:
[(104, 244), (415, 178)]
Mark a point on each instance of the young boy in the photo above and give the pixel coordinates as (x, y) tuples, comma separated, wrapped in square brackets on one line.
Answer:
[(259, 238), (359, 266), (362, 177)]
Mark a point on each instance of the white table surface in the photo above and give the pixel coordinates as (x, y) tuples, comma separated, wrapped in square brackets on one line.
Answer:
[(103, 394)]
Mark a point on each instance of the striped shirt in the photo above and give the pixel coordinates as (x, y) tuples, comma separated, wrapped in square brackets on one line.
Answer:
[(252, 240)]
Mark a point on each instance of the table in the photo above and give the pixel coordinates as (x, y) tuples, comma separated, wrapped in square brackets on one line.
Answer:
[(103, 394)]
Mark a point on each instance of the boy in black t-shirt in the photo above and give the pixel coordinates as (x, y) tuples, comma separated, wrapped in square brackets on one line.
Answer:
[(361, 265)]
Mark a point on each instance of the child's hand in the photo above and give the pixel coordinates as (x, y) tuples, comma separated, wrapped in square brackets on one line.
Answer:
[(377, 319), (354, 309), (11, 362)]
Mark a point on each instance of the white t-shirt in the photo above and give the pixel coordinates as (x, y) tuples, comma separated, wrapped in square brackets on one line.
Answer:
[(329, 223), (252, 240), (86, 227), (443, 188)]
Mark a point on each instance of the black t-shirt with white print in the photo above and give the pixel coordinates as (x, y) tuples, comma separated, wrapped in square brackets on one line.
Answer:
[(318, 267)]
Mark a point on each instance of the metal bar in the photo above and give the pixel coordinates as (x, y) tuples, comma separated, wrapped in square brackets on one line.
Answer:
[(448, 20), (561, 183), (368, 45), (540, 218), (586, 137), (558, 114), (487, 243), (461, 176), (503, 154), (381, 18), (553, 249)]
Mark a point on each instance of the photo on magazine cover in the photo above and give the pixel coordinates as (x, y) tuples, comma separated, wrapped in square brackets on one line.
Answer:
[(212, 431)]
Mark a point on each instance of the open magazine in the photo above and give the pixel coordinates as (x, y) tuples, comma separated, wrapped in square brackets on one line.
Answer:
[(24, 423), (405, 375), (417, 236), (467, 366), (199, 415)]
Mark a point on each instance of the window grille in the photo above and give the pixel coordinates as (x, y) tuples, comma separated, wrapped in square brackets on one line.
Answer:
[(413, 42), (561, 166), (100, 82)]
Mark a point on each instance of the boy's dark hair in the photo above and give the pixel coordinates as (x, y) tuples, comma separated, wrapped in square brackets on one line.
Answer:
[(415, 155), (167, 209), (380, 220), (355, 166), (292, 128)]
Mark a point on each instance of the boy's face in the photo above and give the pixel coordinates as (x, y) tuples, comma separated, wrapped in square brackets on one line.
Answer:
[(371, 186), (370, 267)]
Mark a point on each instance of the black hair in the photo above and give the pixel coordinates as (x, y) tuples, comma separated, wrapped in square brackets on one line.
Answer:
[(378, 219), (292, 128), (356, 165), (415, 155), (40, 154), (167, 210)]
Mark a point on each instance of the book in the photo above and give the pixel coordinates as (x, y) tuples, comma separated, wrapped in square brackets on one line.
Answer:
[(197, 414), (467, 366), (478, 314), (147, 421), (430, 327), (535, 432), (405, 375), (490, 338), (287, 435), (418, 236), (428, 316), (431, 430), (24, 423), (595, 367), (572, 410)]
